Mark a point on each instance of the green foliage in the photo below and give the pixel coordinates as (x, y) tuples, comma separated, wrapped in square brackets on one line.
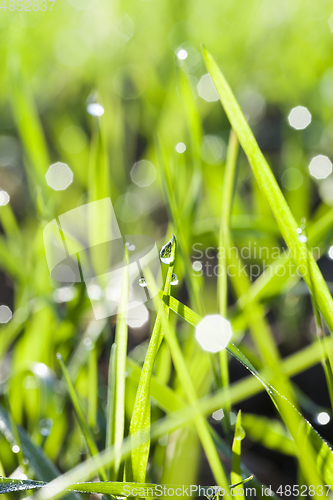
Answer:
[(143, 398)]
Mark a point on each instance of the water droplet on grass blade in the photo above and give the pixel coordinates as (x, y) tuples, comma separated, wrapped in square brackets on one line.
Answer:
[(174, 279), (240, 434), (15, 448), (167, 254), (142, 282), (302, 238), (45, 426)]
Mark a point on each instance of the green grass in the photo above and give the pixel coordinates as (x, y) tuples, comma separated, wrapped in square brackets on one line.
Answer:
[(133, 407)]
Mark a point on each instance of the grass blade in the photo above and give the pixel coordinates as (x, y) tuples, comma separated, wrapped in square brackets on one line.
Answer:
[(186, 382), (269, 432), (140, 421), (270, 188), (86, 431), (117, 378), (224, 244), (236, 476)]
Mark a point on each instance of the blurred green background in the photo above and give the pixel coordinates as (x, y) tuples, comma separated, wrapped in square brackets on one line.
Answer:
[(142, 62)]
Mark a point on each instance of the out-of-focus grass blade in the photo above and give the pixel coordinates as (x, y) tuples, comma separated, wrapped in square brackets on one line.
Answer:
[(40, 463), (274, 280), (29, 126), (117, 378), (8, 261), (224, 236), (15, 433), (326, 361), (195, 134), (99, 180), (88, 436), (224, 244), (141, 412), (99, 188), (269, 432), (235, 476), (174, 211), (93, 386), (271, 189)]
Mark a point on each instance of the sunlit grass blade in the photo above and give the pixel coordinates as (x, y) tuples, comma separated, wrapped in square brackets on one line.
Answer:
[(39, 462), (296, 424), (93, 386), (270, 188), (29, 127), (169, 401), (15, 434), (235, 476), (277, 278), (326, 361), (195, 134), (86, 431), (269, 432), (226, 207), (141, 416), (117, 376)]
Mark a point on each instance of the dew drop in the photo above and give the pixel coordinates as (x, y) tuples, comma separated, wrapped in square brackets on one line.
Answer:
[(45, 426), (15, 448), (174, 279), (240, 434), (130, 246), (142, 282), (166, 252), (302, 238)]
